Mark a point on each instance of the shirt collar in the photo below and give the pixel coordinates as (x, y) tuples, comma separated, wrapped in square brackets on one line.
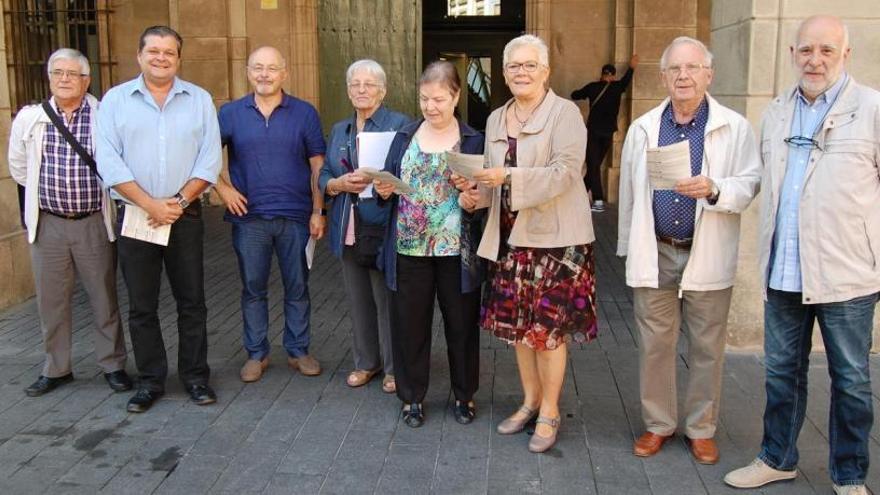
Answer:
[(83, 105), (141, 87), (251, 100), (701, 114), (828, 96), (378, 119)]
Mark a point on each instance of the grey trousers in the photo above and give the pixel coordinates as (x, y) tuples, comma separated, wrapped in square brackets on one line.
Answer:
[(64, 248), (370, 326), (658, 315)]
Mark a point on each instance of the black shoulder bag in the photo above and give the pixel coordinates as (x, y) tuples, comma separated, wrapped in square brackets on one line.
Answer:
[(65, 132)]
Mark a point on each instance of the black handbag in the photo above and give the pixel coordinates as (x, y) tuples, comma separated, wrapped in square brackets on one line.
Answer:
[(367, 241)]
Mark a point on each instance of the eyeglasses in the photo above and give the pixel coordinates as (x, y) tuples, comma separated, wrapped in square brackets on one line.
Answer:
[(271, 69), (61, 74), (803, 142), (513, 68), (369, 86), (689, 69)]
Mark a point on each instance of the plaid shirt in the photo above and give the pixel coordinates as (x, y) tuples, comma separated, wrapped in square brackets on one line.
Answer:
[(67, 184)]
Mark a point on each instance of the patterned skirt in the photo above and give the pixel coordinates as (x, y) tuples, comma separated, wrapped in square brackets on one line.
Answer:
[(540, 297)]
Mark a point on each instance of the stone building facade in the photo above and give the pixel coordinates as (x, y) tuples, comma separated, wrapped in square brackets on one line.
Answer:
[(750, 39)]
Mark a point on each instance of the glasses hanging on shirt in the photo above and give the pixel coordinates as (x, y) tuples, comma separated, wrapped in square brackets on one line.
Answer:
[(803, 142)]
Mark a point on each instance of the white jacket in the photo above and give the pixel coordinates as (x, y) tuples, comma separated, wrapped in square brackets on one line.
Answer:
[(730, 159), (26, 155)]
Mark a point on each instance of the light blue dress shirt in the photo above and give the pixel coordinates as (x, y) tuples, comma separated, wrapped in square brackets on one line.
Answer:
[(785, 259), (160, 149)]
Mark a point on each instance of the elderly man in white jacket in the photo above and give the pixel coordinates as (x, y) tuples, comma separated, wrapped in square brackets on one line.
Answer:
[(681, 244), (69, 219)]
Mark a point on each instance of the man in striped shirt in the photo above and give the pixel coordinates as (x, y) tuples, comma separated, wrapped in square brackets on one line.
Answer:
[(69, 222)]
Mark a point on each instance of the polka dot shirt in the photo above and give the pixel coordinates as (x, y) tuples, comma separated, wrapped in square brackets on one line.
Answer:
[(674, 213)]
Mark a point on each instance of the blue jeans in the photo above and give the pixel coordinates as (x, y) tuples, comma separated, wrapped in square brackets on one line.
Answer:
[(254, 241), (846, 331)]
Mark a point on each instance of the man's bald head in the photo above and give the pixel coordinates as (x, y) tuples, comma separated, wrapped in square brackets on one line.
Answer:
[(820, 53), (267, 53)]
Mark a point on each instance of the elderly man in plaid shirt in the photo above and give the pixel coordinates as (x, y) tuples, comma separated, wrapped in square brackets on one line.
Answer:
[(68, 215)]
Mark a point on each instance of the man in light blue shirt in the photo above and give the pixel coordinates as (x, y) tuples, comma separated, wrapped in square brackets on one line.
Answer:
[(158, 147)]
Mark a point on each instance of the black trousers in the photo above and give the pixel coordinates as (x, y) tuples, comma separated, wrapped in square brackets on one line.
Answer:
[(597, 148), (141, 264), (412, 312)]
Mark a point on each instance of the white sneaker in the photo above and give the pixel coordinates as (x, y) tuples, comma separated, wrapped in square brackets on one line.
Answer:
[(850, 490), (757, 474), (598, 206)]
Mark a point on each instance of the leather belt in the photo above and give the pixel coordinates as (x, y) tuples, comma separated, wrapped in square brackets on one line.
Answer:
[(70, 216), (678, 243)]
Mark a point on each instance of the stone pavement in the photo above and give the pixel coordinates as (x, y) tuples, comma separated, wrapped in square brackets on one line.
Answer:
[(292, 434)]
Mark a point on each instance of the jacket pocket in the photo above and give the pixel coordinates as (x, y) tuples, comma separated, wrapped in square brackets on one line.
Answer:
[(543, 219)]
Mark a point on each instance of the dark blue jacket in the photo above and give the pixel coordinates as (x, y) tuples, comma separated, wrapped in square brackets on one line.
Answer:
[(472, 268), (342, 147)]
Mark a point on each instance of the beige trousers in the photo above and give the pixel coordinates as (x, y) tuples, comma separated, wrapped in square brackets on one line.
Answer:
[(659, 314), (64, 248)]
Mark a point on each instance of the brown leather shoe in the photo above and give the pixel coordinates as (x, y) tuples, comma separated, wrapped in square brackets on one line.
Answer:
[(307, 365), (649, 444), (704, 450), (253, 369)]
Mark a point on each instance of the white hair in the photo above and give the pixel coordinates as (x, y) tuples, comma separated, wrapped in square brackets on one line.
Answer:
[(69, 54), (797, 33), (527, 40), (686, 40), (372, 68)]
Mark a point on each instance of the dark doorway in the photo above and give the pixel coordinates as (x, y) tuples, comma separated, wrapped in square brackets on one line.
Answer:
[(472, 34)]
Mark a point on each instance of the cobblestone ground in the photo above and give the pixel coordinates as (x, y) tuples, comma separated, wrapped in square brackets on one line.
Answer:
[(292, 434)]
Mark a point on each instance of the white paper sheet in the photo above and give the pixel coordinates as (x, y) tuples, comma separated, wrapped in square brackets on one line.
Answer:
[(463, 164), (135, 225), (669, 164), (372, 149), (400, 187), (310, 251)]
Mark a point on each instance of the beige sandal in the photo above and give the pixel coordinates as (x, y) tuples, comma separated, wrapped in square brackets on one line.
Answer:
[(510, 426), (538, 443), (358, 378), (389, 386)]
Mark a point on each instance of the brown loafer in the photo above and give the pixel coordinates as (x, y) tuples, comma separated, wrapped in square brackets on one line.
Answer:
[(307, 365), (359, 378), (649, 444), (704, 450), (253, 369)]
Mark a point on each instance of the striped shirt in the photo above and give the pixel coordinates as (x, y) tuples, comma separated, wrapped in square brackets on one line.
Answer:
[(67, 184)]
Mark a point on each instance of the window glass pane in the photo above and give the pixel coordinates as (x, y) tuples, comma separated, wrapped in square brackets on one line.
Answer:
[(457, 8)]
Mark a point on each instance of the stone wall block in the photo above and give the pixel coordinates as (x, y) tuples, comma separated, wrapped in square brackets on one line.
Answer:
[(212, 75), (763, 58), (668, 13), (16, 279), (649, 43), (205, 48), (732, 45), (202, 18), (866, 9)]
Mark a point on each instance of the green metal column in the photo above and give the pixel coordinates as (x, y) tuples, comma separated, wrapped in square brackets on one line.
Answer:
[(388, 31)]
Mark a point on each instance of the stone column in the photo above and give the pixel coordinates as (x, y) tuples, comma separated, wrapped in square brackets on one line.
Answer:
[(16, 279), (750, 40), (304, 50)]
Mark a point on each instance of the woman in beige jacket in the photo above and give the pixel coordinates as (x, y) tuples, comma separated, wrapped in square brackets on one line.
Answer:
[(541, 292)]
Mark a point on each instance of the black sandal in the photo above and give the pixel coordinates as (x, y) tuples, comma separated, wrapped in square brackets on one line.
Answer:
[(464, 412)]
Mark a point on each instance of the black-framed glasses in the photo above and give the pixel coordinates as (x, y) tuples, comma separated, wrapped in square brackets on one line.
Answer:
[(803, 142)]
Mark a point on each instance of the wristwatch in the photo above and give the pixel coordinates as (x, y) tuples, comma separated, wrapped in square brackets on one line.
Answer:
[(319, 211), (713, 197), (506, 176), (181, 201)]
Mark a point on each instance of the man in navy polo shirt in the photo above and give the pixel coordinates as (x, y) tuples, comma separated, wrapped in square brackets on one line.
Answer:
[(276, 150)]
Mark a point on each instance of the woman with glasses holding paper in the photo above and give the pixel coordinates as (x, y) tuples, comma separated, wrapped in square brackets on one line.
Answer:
[(357, 223), (430, 249), (539, 234)]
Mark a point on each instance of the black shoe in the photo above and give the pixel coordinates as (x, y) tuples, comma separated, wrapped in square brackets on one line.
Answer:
[(118, 380), (44, 384), (464, 412), (414, 416), (201, 394), (142, 400)]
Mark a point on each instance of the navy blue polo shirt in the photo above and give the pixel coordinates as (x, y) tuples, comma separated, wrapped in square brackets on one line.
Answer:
[(269, 158)]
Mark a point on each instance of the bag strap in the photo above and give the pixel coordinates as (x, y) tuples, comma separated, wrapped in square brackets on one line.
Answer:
[(65, 132), (599, 97)]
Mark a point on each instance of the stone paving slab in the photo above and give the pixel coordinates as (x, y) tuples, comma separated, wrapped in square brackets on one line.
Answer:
[(293, 434)]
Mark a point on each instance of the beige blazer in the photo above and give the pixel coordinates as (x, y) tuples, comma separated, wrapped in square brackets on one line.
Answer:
[(547, 186), (839, 228)]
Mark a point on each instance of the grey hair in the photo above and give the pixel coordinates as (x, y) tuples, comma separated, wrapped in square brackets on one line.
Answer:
[(686, 40), (527, 40), (797, 33), (371, 66), (69, 54)]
